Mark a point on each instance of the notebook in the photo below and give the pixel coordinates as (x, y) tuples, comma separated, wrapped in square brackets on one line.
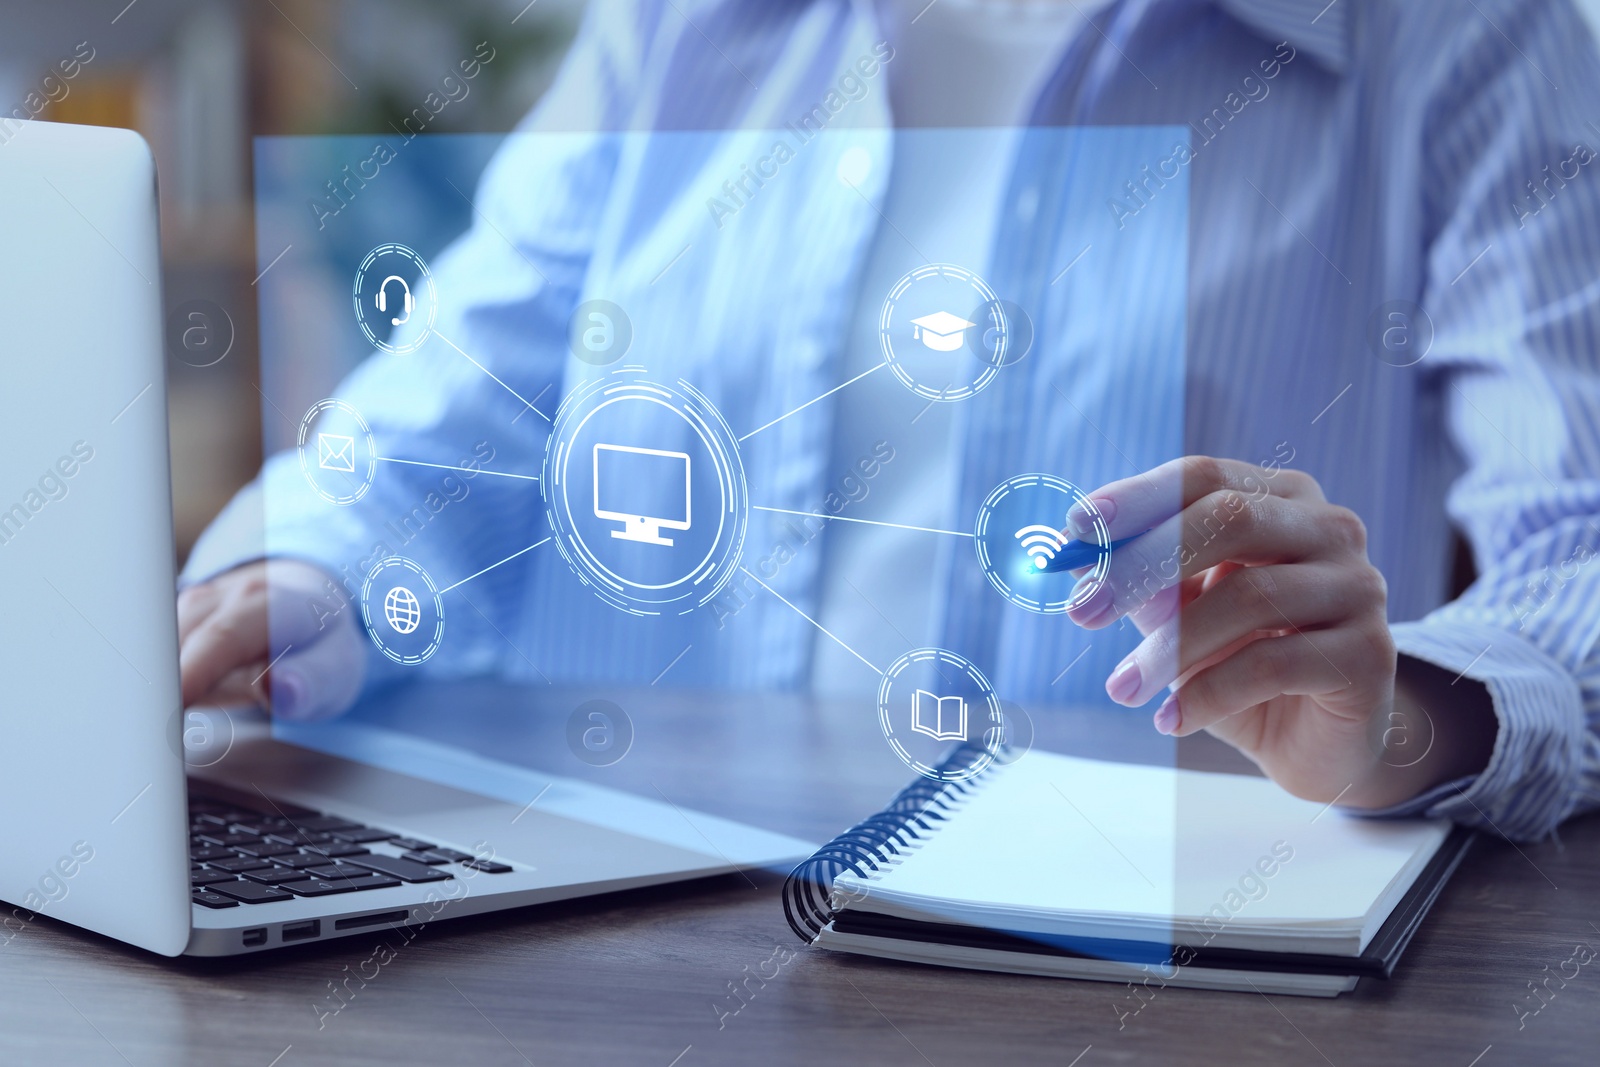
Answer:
[(1057, 865)]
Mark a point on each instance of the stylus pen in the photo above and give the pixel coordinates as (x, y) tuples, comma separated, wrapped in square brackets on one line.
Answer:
[(1075, 554)]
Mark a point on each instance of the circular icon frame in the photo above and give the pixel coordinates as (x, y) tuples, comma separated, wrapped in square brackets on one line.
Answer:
[(338, 499), (424, 293), (696, 585), (993, 732), (400, 655), (890, 327), (989, 537)]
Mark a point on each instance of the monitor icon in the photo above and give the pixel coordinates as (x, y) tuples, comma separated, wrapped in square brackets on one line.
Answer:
[(638, 487)]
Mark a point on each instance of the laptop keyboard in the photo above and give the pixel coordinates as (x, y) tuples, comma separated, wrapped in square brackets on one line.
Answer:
[(260, 852)]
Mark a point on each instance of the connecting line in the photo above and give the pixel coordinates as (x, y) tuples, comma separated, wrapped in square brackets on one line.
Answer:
[(490, 373), (492, 566), (450, 467), (812, 621), (808, 403), (868, 522)]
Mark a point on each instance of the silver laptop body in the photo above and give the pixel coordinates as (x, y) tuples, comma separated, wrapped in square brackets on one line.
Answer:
[(97, 828)]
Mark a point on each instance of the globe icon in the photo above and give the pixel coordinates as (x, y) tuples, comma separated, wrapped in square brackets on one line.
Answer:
[(400, 607)]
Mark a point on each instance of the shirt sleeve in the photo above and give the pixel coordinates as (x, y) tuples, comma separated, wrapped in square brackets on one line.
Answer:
[(480, 391), (1513, 186)]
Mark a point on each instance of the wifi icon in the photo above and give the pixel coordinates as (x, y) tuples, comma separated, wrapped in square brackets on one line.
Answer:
[(1041, 543)]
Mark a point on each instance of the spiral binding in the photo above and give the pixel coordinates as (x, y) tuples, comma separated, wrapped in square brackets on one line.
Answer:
[(868, 846)]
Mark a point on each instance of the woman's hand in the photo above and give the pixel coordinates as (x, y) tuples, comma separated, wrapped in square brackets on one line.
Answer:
[(1264, 616), (226, 648)]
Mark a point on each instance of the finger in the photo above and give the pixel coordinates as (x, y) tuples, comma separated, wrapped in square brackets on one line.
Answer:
[(242, 685), (231, 637), (1224, 527), (1248, 600), (1136, 504), (194, 605), (1155, 612), (323, 678), (1302, 664)]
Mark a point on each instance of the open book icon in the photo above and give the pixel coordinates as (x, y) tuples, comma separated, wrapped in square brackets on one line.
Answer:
[(941, 718)]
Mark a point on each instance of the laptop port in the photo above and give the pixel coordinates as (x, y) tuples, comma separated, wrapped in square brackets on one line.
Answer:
[(302, 931), (379, 918), (255, 937)]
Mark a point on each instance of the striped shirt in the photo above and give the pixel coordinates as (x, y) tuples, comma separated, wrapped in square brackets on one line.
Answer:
[(1288, 202)]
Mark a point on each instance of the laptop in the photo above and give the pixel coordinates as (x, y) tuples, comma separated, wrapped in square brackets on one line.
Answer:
[(105, 826)]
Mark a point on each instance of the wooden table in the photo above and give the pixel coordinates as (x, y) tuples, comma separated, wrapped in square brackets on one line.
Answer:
[(643, 977)]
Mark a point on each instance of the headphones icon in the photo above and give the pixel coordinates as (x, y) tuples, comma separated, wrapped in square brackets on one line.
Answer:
[(383, 300)]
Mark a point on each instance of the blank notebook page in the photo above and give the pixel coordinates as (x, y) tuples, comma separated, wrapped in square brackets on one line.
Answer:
[(1052, 838)]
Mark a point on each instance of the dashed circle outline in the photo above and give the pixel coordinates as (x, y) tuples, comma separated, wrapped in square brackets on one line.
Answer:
[(886, 339), (393, 248), (990, 568), (438, 610), (333, 403), (994, 735), (707, 577)]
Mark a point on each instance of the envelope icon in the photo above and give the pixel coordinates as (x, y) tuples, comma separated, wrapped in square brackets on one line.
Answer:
[(335, 452)]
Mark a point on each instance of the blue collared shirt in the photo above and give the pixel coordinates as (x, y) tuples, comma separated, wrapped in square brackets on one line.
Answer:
[(1308, 171)]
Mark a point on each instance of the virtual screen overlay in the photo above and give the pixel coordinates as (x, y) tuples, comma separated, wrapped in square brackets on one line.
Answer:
[(610, 459)]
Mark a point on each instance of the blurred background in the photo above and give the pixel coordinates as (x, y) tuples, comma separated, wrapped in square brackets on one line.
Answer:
[(199, 78)]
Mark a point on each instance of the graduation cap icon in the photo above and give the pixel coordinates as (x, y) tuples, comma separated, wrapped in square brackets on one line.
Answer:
[(941, 331)]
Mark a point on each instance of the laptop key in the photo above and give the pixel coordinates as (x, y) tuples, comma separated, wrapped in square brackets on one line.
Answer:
[(228, 839), (238, 865), (299, 860), (265, 849), (251, 892), (363, 836), (208, 877), (325, 824), (402, 869), (373, 881), (452, 855), (432, 859), (299, 837), (237, 815), (322, 887), (411, 844), (334, 850), (486, 866), (336, 870), (274, 875), (210, 852), (209, 899)]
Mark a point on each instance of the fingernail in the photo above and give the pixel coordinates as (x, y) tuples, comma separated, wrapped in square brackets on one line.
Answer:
[(288, 694), (1082, 522), (1124, 681), (1092, 604), (1167, 717)]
